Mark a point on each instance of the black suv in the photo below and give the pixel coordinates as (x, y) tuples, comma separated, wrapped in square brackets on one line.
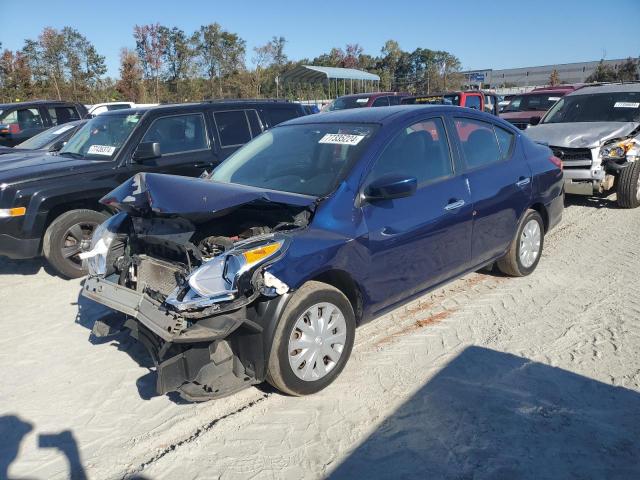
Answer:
[(49, 203), (21, 121)]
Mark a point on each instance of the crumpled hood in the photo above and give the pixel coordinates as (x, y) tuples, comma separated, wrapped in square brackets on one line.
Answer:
[(162, 194), (579, 134)]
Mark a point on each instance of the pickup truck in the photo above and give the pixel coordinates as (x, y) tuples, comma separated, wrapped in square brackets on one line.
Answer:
[(475, 99), (49, 204)]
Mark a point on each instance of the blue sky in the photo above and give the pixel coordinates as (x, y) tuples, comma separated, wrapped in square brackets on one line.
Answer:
[(494, 34)]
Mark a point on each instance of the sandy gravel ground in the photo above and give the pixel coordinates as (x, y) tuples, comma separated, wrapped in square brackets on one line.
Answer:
[(489, 377)]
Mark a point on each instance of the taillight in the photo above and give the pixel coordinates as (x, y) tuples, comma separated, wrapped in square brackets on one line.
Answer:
[(556, 161), (14, 128)]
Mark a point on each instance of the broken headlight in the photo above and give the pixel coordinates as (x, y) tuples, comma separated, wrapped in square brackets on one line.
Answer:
[(219, 276), (620, 150), (95, 260)]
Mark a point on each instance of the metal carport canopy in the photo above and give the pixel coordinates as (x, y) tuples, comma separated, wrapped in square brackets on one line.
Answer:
[(311, 73)]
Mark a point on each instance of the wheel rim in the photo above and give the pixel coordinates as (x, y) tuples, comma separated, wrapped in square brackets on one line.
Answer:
[(317, 341), (75, 239), (530, 240), (638, 189)]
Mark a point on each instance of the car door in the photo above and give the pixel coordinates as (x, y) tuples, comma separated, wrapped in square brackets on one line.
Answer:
[(418, 241), (185, 146), (499, 181)]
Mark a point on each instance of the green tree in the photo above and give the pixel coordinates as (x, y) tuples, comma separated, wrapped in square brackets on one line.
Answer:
[(602, 73), (130, 85), (150, 47), (629, 71)]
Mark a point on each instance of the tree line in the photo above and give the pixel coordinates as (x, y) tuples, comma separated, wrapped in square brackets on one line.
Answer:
[(171, 65)]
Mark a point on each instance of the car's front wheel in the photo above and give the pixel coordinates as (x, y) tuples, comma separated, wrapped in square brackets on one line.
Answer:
[(526, 247), (313, 340), (66, 238), (628, 186)]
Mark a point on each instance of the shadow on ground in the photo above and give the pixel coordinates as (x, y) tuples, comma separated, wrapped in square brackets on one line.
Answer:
[(591, 201), (21, 267), (491, 415)]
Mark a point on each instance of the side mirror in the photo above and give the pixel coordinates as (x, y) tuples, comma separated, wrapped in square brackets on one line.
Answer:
[(147, 151), (534, 120), (390, 187)]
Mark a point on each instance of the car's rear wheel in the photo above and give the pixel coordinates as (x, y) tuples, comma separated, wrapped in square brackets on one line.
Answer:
[(313, 340), (628, 186), (526, 247), (66, 238)]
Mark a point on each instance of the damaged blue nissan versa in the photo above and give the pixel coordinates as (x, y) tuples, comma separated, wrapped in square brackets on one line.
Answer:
[(263, 270)]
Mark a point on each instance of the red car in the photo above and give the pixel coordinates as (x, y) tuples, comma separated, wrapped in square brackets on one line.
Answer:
[(359, 100), (528, 108), (476, 99)]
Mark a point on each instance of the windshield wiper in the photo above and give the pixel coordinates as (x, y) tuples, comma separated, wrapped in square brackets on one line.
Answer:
[(71, 154)]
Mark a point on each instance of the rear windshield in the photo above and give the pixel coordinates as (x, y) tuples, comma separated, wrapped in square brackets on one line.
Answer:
[(345, 103), (597, 107), (538, 102)]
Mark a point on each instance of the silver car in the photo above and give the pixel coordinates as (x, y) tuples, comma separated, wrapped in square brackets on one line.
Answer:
[(595, 131)]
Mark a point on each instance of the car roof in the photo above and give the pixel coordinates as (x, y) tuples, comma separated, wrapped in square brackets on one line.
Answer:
[(607, 88), (209, 105), (381, 115), (33, 102), (372, 95)]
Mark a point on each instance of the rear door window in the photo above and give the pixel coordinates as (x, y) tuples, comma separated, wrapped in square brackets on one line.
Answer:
[(62, 114), (233, 128), (381, 102), (178, 133), (254, 122), (279, 115), (506, 141), (478, 141)]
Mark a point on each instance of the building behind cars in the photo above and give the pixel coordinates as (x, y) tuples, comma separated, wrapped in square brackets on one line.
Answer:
[(21, 121), (528, 108), (50, 203), (595, 131)]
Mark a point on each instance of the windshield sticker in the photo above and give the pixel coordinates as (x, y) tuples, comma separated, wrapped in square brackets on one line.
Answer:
[(101, 150), (362, 100), (62, 129), (626, 105), (341, 139), (554, 99), (132, 119)]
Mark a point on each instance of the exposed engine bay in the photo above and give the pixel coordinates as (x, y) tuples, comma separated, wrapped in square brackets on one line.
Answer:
[(194, 287)]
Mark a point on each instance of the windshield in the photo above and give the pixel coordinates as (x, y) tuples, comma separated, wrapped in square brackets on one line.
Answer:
[(597, 107), (538, 102), (101, 137), (344, 103), (46, 138), (305, 159), (452, 99)]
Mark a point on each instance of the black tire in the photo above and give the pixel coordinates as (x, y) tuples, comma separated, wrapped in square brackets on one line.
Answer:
[(280, 374), (65, 235), (510, 264), (628, 186)]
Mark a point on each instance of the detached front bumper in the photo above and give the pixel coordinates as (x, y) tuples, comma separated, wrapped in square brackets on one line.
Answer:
[(169, 326)]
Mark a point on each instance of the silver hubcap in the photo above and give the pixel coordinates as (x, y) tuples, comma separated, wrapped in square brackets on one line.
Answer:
[(530, 243), (638, 189), (317, 341)]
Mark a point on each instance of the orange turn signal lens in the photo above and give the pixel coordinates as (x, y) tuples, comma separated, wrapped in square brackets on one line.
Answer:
[(13, 212), (260, 253)]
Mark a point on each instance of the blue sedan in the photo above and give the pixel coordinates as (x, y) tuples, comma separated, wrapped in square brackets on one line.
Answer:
[(316, 226)]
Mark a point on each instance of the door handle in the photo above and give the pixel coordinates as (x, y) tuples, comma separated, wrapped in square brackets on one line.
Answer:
[(454, 205), (523, 181)]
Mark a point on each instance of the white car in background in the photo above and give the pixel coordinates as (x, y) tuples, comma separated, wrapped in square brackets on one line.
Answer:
[(99, 108)]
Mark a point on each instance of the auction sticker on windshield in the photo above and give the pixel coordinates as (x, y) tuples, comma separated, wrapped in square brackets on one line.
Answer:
[(626, 105), (341, 139), (101, 150), (63, 129)]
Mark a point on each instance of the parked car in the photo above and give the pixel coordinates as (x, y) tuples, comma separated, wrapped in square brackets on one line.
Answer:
[(49, 205), (362, 100), (51, 140), (595, 131), (528, 108), (475, 99), (264, 269), (21, 121)]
